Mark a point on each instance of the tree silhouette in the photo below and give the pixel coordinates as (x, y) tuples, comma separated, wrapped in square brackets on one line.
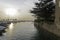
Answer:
[(45, 10)]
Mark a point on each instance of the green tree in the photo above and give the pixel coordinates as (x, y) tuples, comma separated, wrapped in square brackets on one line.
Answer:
[(45, 10)]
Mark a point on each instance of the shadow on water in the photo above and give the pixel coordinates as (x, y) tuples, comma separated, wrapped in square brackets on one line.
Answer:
[(1, 32), (3, 27), (43, 34)]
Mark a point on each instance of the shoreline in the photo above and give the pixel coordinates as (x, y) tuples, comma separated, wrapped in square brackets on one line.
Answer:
[(47, 32)]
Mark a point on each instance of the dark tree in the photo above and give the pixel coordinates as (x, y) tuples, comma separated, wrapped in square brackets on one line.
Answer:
[(45, 10)]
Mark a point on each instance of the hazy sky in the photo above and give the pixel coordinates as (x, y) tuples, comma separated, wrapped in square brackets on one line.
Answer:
[(23, 7)]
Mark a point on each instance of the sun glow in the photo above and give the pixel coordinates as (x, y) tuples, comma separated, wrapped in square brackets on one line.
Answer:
[(11, 26), (10, 11), (10, 30)]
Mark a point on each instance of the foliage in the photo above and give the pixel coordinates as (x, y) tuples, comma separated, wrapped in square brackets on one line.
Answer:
[(45, 9)]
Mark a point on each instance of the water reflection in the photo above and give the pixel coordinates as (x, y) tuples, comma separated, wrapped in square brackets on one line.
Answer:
[(43, 34), (11, 26), (2, 30), (10, 31), (25, 31)]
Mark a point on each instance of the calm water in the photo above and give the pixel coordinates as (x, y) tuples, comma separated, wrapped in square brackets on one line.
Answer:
[(22, 31)]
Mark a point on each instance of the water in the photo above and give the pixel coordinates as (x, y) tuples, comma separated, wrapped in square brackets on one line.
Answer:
[(22, 31)]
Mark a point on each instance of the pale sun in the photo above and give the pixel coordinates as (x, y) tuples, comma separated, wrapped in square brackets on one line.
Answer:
[(10, 11)]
